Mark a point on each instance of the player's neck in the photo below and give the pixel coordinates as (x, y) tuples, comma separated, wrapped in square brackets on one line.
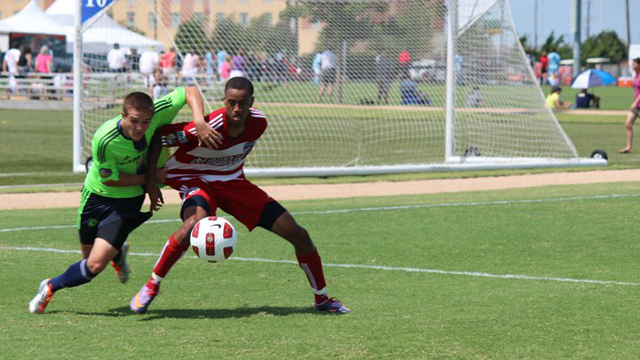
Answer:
[(235, 130)]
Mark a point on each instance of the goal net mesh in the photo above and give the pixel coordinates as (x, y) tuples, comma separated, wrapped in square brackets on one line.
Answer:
[(342, 83)]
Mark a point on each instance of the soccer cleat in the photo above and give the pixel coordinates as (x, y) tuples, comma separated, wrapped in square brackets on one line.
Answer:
[(143, 299), (42, 298), (121, 267), (333, 306)]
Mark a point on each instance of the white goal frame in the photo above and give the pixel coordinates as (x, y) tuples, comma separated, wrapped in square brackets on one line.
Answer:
[(449, 163)]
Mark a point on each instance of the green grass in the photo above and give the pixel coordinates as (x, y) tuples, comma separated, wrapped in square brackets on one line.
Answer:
[(612, 97), (255, 310)]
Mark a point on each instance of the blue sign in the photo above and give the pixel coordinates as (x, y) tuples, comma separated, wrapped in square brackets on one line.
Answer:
[(92, 7)]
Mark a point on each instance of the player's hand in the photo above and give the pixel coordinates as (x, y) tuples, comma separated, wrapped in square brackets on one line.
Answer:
[(155, 198), (207, 136), (161, 175)]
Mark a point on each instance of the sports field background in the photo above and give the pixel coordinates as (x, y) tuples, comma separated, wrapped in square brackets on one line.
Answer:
[(540, 273), (36, 145)]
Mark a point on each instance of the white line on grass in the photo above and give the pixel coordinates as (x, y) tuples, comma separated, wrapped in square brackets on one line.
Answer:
[(373, 267), (43, 173), (380, 208)]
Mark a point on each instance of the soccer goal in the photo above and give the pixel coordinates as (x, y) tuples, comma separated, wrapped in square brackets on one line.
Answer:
[(348, 87)]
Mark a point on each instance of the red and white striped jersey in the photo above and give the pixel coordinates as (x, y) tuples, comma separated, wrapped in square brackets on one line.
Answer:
[(221, 164)]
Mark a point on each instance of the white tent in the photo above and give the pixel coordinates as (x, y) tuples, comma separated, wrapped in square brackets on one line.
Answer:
[(31, 20), (101, 36)]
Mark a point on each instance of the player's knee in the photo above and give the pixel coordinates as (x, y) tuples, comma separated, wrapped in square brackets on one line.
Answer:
[(96, 266), (182, 235), (301, 240)]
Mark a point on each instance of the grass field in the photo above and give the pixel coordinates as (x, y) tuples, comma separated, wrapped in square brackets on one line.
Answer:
[(542, 273), (36, 148)]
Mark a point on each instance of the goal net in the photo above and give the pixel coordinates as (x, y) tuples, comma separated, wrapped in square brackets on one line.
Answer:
[(348, 87)]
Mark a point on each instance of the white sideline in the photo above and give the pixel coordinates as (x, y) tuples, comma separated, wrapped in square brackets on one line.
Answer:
[(379, 208), (374, 267)]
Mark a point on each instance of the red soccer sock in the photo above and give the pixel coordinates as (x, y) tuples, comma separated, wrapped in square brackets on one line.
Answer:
[(171, 253), (312, 266)]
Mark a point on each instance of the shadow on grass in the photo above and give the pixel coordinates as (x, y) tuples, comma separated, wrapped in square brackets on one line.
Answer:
[(240, 312)]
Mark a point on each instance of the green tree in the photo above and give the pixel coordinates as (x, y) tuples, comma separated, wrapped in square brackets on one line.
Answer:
[(606, 44), (191, 37), (528, 48), (229, 35), (558, 45)]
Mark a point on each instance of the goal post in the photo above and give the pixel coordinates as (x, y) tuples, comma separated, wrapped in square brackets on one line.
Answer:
[(349, 87)]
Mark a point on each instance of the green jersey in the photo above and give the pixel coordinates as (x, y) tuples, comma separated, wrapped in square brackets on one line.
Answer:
[(114, 154)]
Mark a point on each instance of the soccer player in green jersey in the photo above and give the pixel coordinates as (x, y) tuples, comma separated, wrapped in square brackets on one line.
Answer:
[(113, 190)]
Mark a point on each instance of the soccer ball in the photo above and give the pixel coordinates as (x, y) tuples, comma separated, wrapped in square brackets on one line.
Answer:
[(213, 239)]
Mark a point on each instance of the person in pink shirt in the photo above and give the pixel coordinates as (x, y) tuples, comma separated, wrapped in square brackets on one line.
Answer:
[(225, 69), (44, 61), (634, 111)]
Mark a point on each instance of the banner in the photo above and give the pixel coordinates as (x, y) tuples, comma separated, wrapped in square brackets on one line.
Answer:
[(91, 8)]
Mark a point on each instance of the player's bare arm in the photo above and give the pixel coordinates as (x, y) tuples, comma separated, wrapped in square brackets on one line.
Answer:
[(153, 174), (206, 135)]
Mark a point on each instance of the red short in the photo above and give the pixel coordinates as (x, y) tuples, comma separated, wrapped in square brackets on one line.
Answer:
[(239, 198)]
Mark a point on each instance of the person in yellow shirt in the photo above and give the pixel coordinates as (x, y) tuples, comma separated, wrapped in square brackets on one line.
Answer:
[(553, 100)]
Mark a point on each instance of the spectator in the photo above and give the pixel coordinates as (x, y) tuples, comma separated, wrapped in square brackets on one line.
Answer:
[(116, 59), (157, 84), (634, 111), (61, 86), (404, 58), (210, 65), (475, 98), (190, 67), (544, 65), (316, 68), (225, 70), (328, 74), (44, 61), (133, 59), (384, 76), (553, 100), (168, 62), (25, 61), (10, 62), (410, 94), (149, 60), (554, 64), (238, 64), (585, 100), (221, 55)]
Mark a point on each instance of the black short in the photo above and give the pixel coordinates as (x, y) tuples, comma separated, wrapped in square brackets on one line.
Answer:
[(328, 76), (112, 219), (270, 213), (636, 112)]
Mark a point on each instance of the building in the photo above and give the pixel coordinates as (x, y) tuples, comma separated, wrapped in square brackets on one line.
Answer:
[(141, 16)]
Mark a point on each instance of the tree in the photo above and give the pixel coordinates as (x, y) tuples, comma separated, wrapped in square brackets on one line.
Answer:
[(558, 45), (528, 48), (192, 37), (606, 44)]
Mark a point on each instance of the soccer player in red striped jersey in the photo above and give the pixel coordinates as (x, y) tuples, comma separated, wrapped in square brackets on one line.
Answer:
[(208, 178)]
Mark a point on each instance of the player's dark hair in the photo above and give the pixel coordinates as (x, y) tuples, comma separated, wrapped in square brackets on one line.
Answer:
[(637, 60), (239, 83), (139, 101)]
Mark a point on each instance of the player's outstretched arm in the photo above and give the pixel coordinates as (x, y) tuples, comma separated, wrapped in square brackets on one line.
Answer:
[(153, 175), (206, 135)]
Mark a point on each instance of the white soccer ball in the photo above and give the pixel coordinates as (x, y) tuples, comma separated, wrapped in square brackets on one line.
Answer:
[(213, 239)]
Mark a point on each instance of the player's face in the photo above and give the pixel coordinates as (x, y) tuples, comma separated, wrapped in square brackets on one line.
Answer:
[(136, 123), (238, 104)]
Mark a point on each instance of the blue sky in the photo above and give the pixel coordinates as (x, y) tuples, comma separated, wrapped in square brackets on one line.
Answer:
[(555, 15)]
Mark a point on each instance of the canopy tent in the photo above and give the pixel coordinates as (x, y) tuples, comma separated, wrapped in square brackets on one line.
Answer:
[(101, 36), (31, 20)]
